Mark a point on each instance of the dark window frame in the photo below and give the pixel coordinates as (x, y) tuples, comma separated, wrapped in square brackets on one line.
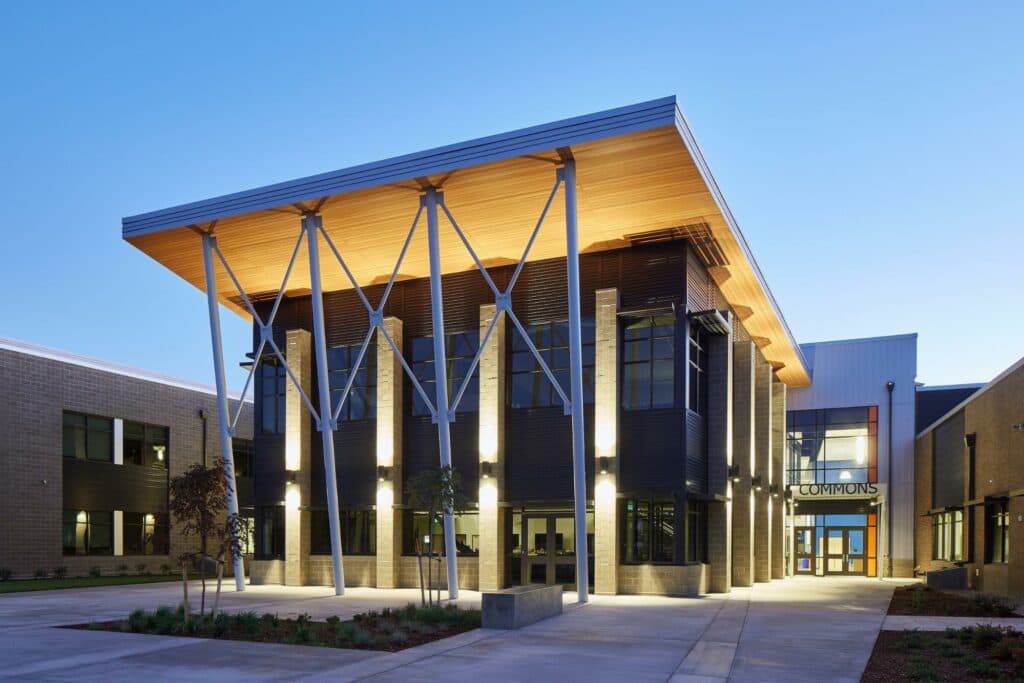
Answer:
[(645, 516), (89, 428), (947, 536), (528, 384), (361, 404), (94, 519), (141, 537), (243, 454), (270, 526), (148, 441), (413, 519), (460, 349), (809, 431), (274, 380), (358, 531), (697, 372), (997, 532), (648, 349)]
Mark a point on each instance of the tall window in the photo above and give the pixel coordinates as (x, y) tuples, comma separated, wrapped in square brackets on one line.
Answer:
[(145, 444), (270, 532), (415, 533), (529, 386), (833, 446), (88, 532), (358, 531), (145, 533), (242, 453), (698, 398), (696, 539), (648, 365), (997, 532), (649, 531), (361, 403), (460, 349), (273, 382), (948, 536), (88, 437)]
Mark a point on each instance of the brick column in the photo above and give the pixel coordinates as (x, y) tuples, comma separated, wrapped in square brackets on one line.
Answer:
[(743, 457), (762, 468), (389, 456), (720, 456), (492, 452), (606, 415), (778, 480), (298, 438)]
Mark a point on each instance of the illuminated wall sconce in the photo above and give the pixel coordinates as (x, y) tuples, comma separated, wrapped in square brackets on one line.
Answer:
[(757, 482), (734, 473), (788, 495), (486, 470), (774, 490), (874, 502), (603, 464), (292, 476), (383, 473)]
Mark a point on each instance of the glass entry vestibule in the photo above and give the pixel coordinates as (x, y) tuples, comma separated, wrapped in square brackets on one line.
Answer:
[(543, 547), (842, 544)]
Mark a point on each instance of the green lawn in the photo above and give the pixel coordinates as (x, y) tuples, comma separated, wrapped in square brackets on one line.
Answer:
[(22, 585)]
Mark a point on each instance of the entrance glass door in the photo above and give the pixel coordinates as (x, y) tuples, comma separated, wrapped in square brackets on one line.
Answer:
[(549, 550), (844, 551), (804, 550)]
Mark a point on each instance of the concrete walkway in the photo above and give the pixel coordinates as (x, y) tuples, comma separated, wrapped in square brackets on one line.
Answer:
[(803, 629)]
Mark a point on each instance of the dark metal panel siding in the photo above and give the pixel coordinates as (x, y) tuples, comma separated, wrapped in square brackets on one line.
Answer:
[(355, 457), (948, 462), (421, 449), (651, 445), (538, 443), (652, 276), (932, 404), (106, 486), (700, 289), (268, 468), (696, 453)]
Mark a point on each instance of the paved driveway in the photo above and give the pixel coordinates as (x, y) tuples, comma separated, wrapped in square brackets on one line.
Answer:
[(802, 629)]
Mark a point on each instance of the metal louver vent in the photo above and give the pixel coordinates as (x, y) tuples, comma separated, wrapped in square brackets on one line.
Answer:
[(697, 234)]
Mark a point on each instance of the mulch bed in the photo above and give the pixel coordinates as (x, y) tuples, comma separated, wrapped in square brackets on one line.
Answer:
[(919, 600), (955, 655)]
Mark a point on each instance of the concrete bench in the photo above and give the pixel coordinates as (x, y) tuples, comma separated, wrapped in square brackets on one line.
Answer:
[(520, 606)]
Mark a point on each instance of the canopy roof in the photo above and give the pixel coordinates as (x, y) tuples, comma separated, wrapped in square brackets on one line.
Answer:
[(640, 176)]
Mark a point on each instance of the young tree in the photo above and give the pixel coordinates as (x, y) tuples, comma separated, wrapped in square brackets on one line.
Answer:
[(198, 502), (435, 491), (230, 548)]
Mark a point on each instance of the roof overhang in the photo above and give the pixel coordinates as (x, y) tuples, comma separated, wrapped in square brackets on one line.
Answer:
[(639, 173)]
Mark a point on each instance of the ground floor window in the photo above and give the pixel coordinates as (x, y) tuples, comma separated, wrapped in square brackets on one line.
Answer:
[(696, 537), (648, 533), (145, 533), (358, 531), (270, 532), (997, 532), (88, 532), (948, 536), (418, 538)]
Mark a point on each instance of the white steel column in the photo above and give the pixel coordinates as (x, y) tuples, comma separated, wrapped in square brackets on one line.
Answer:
[(430, 200), (325, 419), (579, 468), (223, 413)]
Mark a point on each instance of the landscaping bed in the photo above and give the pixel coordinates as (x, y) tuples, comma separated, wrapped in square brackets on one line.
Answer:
[(920, 600), (23, 585), (975, 653), (389, 629)]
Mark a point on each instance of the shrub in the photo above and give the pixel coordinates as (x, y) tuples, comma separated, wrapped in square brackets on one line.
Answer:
[(270, 620), (985, 636), (913, 640), (921, 670), (248, 622), (333, 620), (221, 624), (41, 573), (994, 605), (5, 574), (95, 572), (138, 621), (60, 572), (122, 569), (141, 569), (399, 637)]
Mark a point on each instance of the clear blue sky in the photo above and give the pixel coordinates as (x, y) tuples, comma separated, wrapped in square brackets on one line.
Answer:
[(872, 152)]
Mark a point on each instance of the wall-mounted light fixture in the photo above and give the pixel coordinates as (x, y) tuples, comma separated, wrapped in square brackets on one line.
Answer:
[(292, 476), (486, 470), (788, 495), (383, 473), (774, 490), (734, 473), (757, 482), (602, 464)]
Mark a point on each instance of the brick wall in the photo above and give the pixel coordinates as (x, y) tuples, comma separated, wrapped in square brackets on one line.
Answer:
[(655, 579)]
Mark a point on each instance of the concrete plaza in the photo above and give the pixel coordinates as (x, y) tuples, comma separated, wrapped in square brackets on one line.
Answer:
[(802, 629)]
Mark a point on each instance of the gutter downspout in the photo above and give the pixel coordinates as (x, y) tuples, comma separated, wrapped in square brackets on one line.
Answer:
[(890, 385)]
